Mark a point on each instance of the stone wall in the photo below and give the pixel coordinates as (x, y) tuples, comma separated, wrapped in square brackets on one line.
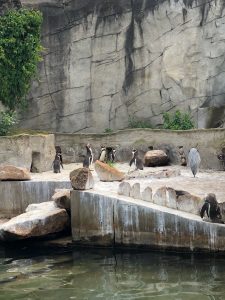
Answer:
[(100, 220), (17, 195), (105, 61), (208, 141), (26, 150)]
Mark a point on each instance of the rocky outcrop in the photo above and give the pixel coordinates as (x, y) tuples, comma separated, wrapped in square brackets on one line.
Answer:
[(81, 179), (107, 61), (155, 158), (107, 173), (14, 173), (34, 152), (38, 220)]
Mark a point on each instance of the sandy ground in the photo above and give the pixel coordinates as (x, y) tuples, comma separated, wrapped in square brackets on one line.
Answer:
[(205, 182)]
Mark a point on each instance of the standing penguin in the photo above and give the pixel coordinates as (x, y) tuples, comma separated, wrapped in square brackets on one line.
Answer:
[(102, 155), (136, 160), (112, 155), (194, 160), (211, 208), (88, 160), (57, 163)]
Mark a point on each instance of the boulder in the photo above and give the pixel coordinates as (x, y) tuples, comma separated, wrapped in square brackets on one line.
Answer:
[(147, 194), (188, 202), (62, 199), (124, 189), (39, 220), (154, 158), (9, 172), (81, 179), (135, 191), (159, 197), (107, 173)]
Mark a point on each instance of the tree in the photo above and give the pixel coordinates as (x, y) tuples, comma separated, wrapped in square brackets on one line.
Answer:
[(20, 52)]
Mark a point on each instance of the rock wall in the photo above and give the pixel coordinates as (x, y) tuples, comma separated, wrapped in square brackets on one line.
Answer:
[(35, 152), (17, 195), (107, 61), (209, 142)]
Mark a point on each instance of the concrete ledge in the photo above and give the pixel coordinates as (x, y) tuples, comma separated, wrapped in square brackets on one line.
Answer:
[(15, 196), (106, 221)]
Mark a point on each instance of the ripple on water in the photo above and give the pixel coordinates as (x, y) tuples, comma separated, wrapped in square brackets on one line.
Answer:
[(84, 274)]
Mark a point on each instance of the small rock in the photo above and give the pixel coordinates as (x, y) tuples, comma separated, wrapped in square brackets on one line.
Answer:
[(135, 191), (147, 194), (159, 197), (9, 172), (171, 198), (107, 173), (188, 202), (62, 199), (124, 189), (154, 158), (81, 179)]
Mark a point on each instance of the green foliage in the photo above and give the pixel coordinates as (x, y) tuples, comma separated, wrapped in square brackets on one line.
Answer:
[(19, 54), (7, 121), (111, 164), (177, 121), (134, 123), (108, 130)]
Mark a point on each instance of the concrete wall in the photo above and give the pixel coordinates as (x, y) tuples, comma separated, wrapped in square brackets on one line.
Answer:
[(15, 196), (22, 150), (208, 141), (105, 221)]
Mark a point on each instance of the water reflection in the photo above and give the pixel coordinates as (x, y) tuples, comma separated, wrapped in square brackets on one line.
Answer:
[(102, 274)]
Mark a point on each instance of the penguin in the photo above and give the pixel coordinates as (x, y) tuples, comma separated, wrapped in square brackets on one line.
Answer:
[(57, 163), (102, 155), (136, 160), (211, 208), (112, 155), (194, 160), (59, 152), (88, 160)]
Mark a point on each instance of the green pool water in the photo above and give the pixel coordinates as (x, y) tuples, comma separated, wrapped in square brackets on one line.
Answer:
[(28, 273)]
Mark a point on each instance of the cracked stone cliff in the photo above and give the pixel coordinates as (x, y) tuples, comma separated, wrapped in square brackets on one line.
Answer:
[(108, 60)]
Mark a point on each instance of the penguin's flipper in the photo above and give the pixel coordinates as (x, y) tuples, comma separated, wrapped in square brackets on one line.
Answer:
[(203, 209), (132, 161)]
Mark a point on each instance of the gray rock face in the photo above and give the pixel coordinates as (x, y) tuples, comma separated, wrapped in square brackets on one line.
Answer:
[(108, 60), (8, 4)]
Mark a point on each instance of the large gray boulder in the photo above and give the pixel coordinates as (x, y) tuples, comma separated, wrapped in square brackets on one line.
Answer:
[(39, 220), (61, 197)]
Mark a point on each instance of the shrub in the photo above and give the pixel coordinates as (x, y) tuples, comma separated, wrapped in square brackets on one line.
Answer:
[(20, 49), (134, 123), (177, 121), (7, 121), (108, 130)]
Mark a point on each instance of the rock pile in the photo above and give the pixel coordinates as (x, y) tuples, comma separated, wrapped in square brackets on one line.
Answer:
[(164, 196)]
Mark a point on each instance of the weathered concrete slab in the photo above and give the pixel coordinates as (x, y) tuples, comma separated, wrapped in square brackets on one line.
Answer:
[(15, 196), (108, 221)]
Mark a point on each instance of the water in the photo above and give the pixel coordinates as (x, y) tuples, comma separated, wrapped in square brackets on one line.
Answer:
[(28, 274)]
